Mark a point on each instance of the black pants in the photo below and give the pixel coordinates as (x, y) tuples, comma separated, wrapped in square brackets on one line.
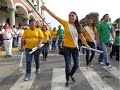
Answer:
[(115, 50), (88, 57), (45, 50)]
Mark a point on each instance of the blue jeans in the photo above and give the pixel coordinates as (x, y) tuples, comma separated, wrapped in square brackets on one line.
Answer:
[(54, 44), (104, 54), (74, 52), (29, 59), (45, 50), (60, 42), (88, 57), (14, 41)]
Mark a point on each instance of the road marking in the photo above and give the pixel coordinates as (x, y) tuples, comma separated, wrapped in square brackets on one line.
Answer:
[(20, 84), (95, 80), (58, 79), (113, 71)]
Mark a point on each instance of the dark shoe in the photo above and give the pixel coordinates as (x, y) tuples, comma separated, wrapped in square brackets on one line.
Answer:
[(27, 77), (67, 84), (110, 56), (117, 60), (73, 79), (37, 72), (7, 56)]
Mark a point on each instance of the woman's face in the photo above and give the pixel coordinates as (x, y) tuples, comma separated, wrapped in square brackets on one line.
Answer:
[(90, 21), (72, 17), (44, 28), (32, 24)]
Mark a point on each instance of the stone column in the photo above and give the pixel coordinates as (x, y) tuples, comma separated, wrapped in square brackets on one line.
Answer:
[(11, 12), (26, 20)]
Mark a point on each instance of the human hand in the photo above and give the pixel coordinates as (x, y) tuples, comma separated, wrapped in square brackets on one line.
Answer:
[(21, 49), (87, 46)]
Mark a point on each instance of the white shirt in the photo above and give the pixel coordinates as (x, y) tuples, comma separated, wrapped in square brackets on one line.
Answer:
[(7, 34), (20, 32)]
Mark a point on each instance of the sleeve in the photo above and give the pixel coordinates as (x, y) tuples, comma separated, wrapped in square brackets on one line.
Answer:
[(95, 30), (40, 34), (24, 34), (1, 32), (63, 22)]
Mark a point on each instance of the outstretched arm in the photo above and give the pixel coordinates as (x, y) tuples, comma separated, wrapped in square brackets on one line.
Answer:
[(83, 40), (51, 13)]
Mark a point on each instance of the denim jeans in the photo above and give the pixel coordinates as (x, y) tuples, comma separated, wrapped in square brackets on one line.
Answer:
[(60, 42), (54, 44), (29, 59), (14, 42), (104, 54), (45, 50), (88, 57), (74, 52)]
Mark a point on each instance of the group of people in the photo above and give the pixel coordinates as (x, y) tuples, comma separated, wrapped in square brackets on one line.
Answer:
[(9, 38), (91, 36)]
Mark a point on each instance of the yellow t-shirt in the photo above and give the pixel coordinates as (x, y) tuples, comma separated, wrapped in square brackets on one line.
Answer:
[(87, 35), (32, 37), (47, 36), (54, 34), (68, 41)]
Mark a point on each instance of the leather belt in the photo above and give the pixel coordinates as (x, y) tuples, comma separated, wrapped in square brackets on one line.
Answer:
[(7, 39)]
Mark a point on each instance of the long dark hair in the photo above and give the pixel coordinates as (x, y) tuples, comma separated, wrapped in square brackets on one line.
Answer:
[(77, 24)]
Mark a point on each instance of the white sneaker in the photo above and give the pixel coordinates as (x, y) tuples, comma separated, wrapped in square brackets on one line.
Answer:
[(101, 63), (109, 66)]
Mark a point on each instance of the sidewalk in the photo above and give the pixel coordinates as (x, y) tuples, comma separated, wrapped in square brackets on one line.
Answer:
[(3, 53)]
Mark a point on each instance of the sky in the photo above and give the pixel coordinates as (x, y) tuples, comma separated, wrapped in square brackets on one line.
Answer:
[(62, 8)]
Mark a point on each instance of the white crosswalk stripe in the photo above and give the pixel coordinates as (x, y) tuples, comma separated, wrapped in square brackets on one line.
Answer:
[(20, 84), (58, 79), (114, 71), (95, 80)]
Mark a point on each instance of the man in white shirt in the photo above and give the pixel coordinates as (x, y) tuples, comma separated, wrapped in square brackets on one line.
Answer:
[(7, 39)]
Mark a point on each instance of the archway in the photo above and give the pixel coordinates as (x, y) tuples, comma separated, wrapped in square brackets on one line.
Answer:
[(21, 14), (5, 5)]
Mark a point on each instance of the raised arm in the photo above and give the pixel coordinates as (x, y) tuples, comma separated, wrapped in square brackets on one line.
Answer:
[(83, 40), (51, 13)]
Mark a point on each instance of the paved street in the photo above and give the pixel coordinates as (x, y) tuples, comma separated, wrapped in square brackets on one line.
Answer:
[(52, 76)]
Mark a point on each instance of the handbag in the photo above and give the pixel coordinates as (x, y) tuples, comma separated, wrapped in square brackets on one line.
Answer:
[(61, 51)]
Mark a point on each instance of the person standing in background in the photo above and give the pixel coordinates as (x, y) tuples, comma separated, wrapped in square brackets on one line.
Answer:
[(15, 36), (46, 42), (7, 34), (20, 34), (54, 39), (60, 33)]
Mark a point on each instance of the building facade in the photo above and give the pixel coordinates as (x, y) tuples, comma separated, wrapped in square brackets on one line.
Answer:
[(20, 11)]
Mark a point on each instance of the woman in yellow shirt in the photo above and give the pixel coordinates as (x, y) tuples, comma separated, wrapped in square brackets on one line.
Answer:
[(54, 38), (46, 41), (90, 34), (32, 37), (72, 31)]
